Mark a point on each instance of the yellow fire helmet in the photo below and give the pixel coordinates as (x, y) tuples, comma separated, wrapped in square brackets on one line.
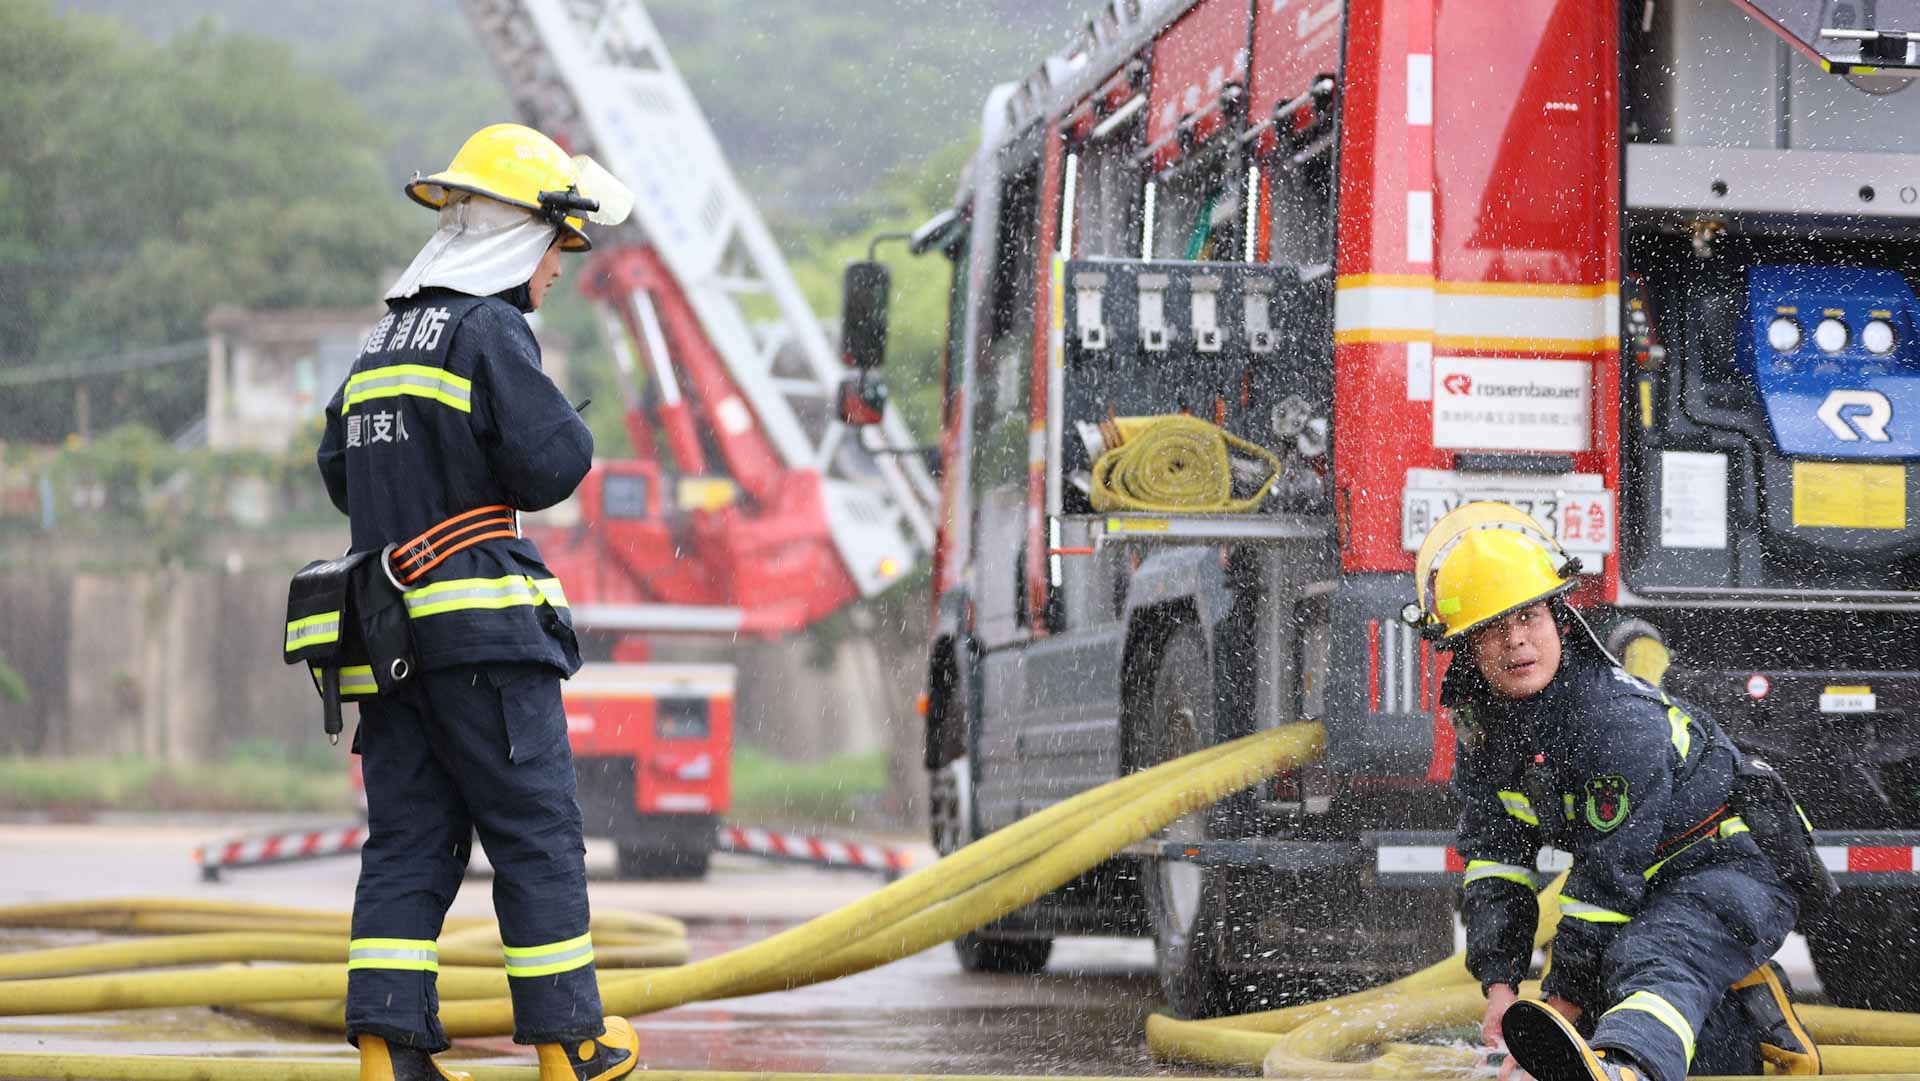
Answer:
[(516, 165), (1482, 561)]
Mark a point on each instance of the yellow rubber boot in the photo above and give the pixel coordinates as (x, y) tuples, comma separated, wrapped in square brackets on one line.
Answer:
[(378, 1062), (614, 1054), (1548, 1046), (1784, 1041)]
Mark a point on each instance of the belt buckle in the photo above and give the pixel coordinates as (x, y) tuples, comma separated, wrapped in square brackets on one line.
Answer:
[(386, 567)]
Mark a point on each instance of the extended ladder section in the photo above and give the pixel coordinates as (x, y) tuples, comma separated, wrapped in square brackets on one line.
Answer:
[(596, 75)]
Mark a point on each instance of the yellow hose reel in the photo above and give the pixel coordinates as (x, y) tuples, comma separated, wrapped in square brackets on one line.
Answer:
[(1175, 464)]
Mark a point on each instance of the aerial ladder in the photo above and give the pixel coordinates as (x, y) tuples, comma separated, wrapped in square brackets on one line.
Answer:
[(772, 514), (779, 513)]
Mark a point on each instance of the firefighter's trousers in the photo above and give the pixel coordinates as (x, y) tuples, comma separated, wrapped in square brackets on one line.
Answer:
[(460, 750), (1668, 971)]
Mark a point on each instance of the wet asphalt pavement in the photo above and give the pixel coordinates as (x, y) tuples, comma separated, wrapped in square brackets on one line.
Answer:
[(1085, 1015)]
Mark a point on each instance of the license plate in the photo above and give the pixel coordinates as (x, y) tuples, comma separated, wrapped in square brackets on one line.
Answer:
[(1579, 516)]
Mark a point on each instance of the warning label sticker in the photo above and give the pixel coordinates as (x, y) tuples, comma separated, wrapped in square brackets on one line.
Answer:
[(1486, 404)]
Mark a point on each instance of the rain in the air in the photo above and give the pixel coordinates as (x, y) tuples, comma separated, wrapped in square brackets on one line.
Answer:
[(923, 540)]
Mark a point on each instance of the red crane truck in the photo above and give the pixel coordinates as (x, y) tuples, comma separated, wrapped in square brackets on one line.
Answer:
[(1642, 267)]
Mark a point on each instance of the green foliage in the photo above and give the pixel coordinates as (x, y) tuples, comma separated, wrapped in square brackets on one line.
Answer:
[(241, 783), (919, 289), (780, 790), (13, 686), (144, 184), (132, 482)]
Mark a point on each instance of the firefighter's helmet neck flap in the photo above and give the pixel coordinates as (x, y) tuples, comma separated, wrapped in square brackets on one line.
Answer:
[(508, 195)]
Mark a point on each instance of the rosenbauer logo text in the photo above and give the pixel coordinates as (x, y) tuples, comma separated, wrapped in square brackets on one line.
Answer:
[(1462, 385), (1487, 403)]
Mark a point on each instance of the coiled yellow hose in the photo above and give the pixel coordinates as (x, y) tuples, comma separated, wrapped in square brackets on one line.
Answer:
[(1173, 464)]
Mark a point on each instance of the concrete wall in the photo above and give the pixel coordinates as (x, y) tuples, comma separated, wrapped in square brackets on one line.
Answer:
[(174, 665)]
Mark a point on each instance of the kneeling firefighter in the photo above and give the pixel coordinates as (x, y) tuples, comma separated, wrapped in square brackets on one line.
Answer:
[(1691, 862), (446, 429)]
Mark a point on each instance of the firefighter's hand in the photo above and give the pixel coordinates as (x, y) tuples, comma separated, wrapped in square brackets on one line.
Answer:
[(1499, 997), (1565, 1009)]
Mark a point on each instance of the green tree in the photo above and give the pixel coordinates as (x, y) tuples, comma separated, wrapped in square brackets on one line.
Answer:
[(144, 184)]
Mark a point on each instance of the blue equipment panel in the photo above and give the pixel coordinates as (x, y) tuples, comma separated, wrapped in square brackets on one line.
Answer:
[(1831, 395)]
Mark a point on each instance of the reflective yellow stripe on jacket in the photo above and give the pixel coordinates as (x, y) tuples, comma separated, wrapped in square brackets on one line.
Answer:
[(1729, 826), (1488, 870), (1580, 910), (526, 961), (1519, 806), (418, 380), (463, 594)]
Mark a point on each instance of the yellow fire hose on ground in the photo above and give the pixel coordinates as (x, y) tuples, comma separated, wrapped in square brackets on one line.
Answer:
[(969, 889)]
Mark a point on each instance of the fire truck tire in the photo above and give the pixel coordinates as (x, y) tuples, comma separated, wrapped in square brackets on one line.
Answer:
[(633, 861), (951, 823), (1864, 950), (1021, 956), (1183, 899)]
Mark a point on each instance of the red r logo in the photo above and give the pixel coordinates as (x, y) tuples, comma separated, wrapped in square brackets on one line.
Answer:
[(1458, 383)]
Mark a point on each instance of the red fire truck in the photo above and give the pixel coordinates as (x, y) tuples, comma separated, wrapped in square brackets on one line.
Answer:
[(1638, 266)]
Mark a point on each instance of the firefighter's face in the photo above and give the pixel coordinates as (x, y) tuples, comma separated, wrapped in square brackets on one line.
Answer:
[(1519, 654), (544, 275)]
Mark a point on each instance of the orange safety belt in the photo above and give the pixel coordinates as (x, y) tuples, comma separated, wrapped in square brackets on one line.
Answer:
[(412, 560)]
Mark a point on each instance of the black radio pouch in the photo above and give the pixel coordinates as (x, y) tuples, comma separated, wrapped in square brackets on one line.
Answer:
[(1761, 798), (347, 621)]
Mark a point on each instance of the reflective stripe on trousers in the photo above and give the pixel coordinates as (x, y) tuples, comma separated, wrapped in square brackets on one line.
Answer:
[(1663, 1012), (525, 961), (410, 954)]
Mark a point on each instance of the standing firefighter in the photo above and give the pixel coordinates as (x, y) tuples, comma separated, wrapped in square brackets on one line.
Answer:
[(444, 431), (1673, 906)]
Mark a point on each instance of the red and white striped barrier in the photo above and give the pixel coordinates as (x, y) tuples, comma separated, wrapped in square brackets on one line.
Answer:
[(816, 851), (293, 847), (279, 848)]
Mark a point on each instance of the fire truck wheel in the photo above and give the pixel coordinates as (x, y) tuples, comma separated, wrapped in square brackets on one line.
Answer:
[(1866, 950), (1023, 956), (1183, 899), (660, 864), (950, 806), (950, 821)]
